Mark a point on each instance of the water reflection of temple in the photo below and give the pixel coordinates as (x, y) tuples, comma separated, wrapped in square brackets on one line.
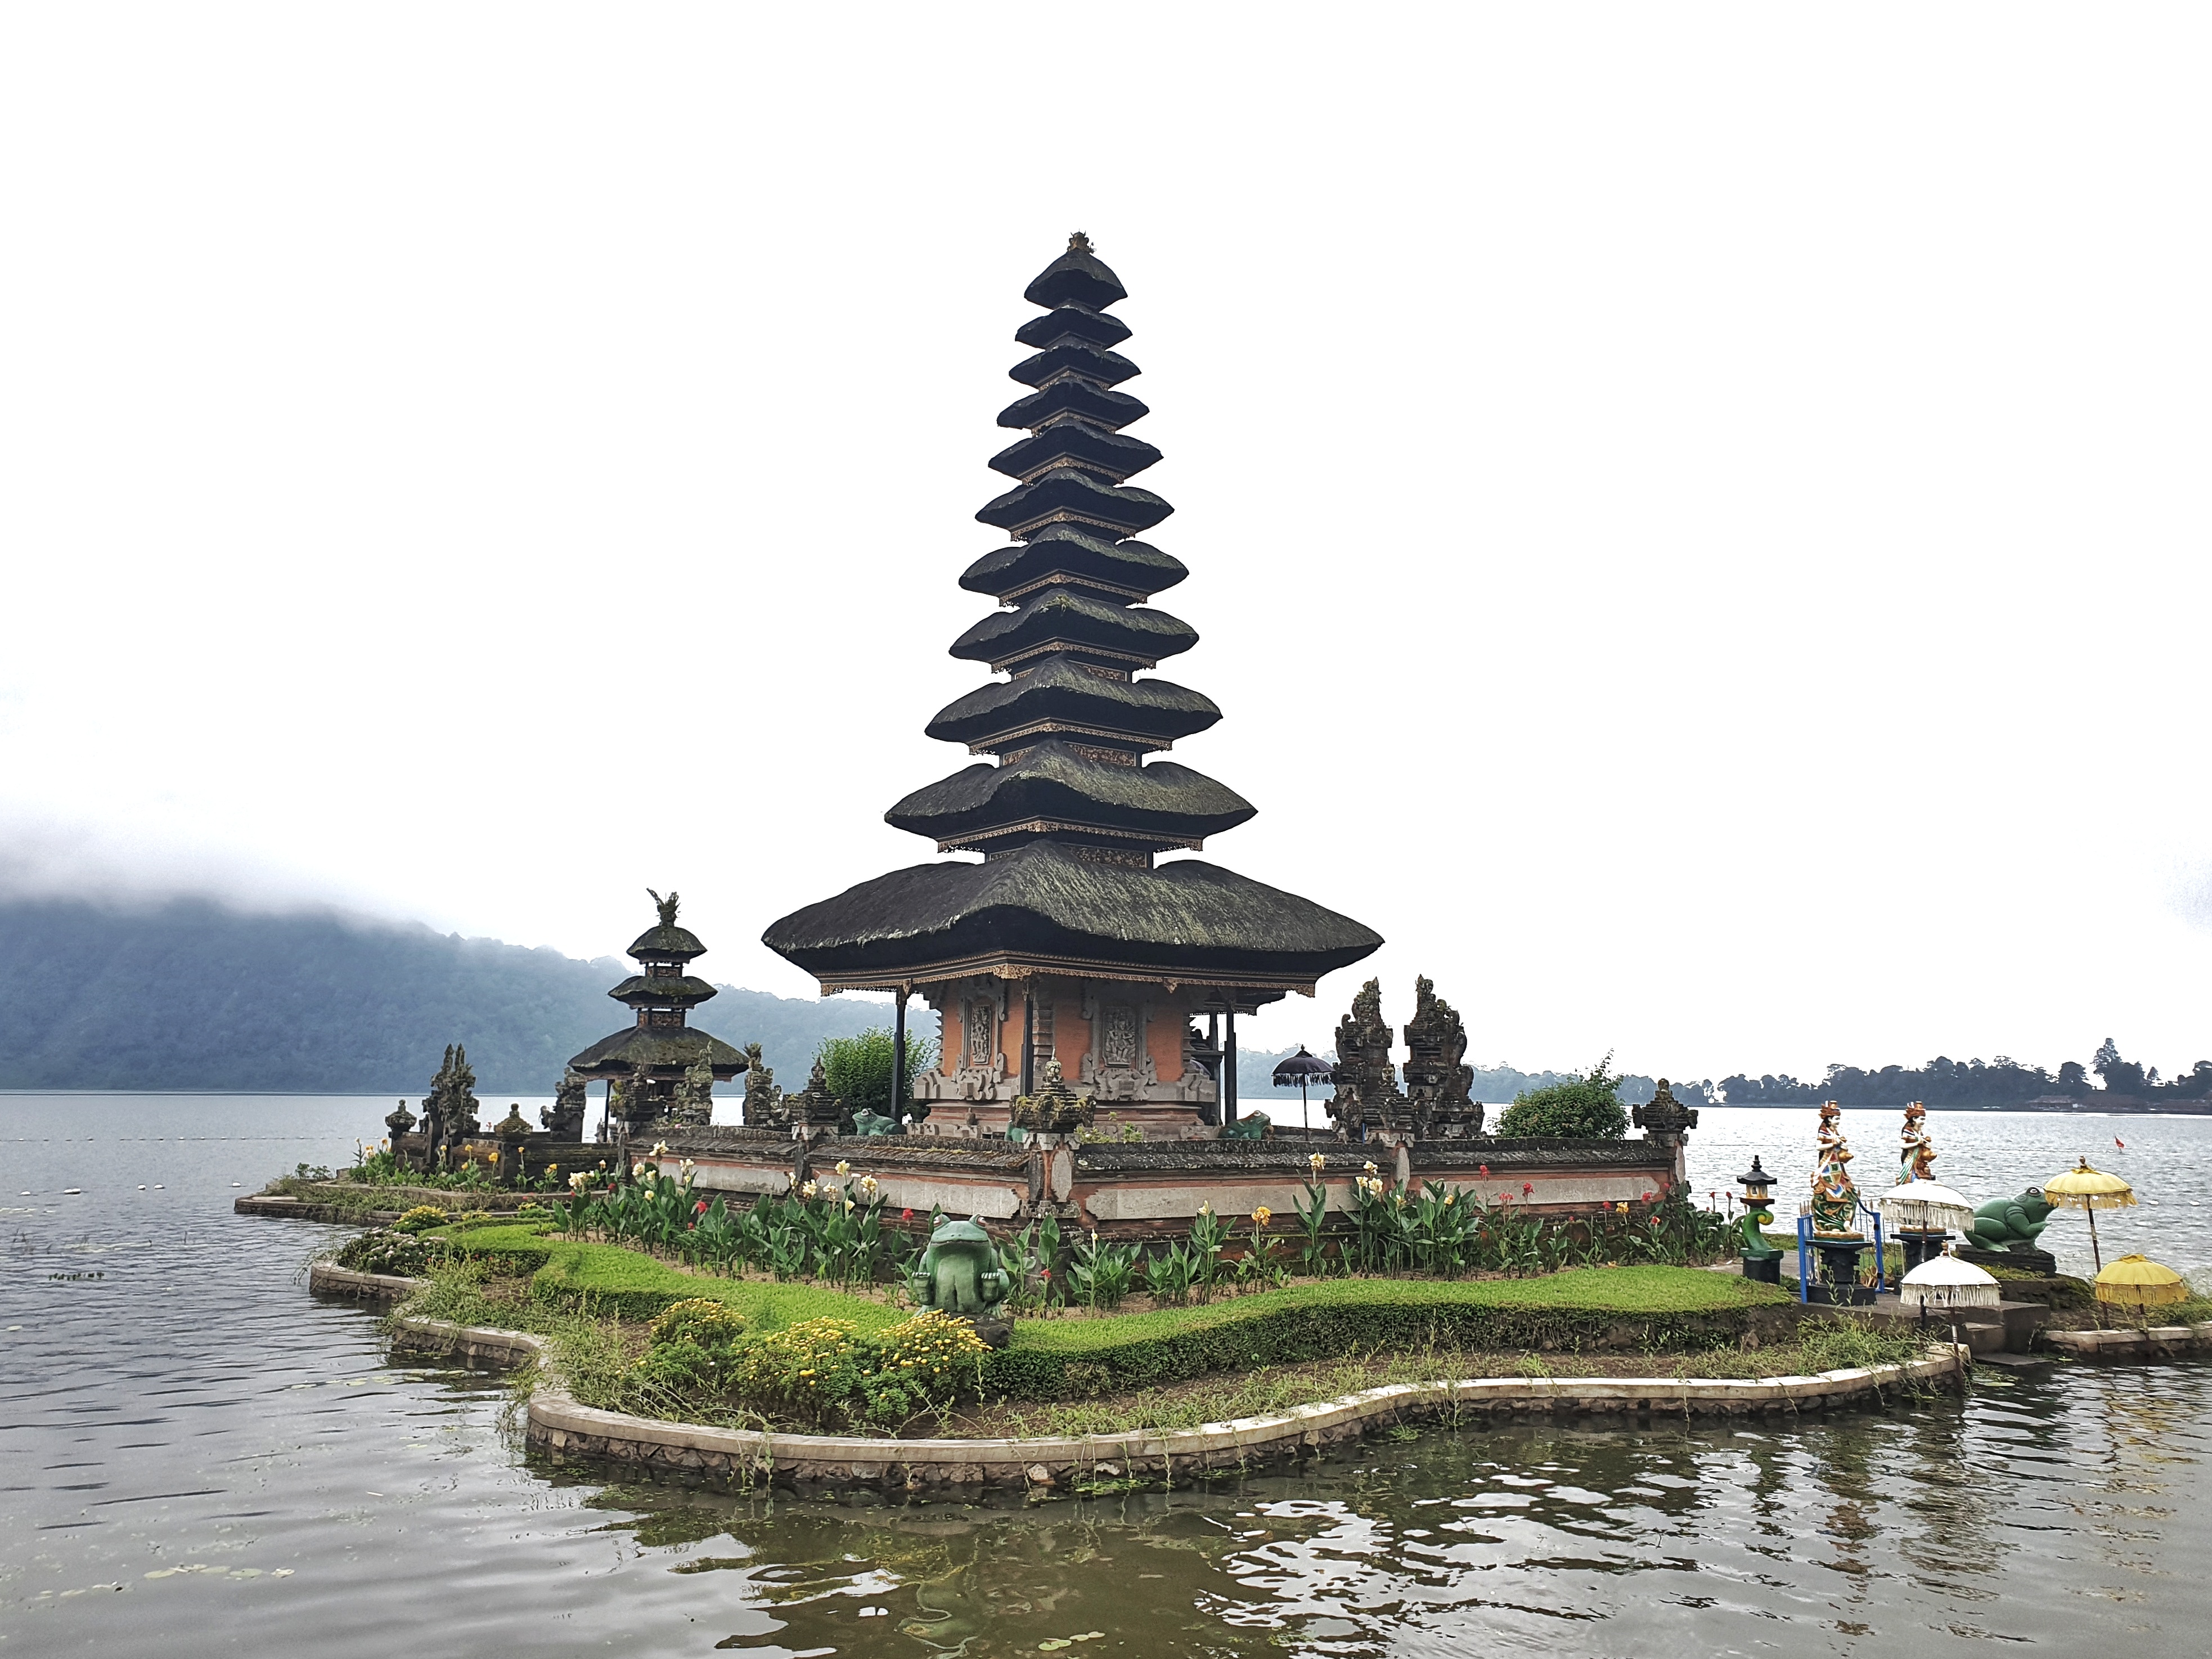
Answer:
[(1069, 939)]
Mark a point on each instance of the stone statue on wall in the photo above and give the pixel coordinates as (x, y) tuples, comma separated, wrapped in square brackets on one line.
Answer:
[(1367, 1095), (815, 1106), (693, 1105), (1668, 1122), (1438, 1084), (449, 1115), (764, 1103), (564, 1118), (1054, 1108)]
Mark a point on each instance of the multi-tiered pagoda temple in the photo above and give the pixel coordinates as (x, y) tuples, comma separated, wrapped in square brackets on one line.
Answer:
[(649, 1064), (1070, 940)]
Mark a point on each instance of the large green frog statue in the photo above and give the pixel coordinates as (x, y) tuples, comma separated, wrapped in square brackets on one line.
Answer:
[(2010, 1224), (960, 1272)]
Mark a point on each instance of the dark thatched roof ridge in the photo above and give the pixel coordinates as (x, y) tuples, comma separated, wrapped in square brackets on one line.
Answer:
[(1066, 548), (1057, 689), (1188, 916), (680, 1048), (1162, 799)]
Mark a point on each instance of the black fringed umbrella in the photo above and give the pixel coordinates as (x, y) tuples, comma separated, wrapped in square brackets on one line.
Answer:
[(1302, 1069)]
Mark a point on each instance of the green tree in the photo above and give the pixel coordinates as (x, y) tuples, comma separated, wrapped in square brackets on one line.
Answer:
[(1581, 1109), (858, 1068)]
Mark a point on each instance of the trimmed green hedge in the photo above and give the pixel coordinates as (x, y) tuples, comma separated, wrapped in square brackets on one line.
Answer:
[(1657, 1307), (628, 1284)]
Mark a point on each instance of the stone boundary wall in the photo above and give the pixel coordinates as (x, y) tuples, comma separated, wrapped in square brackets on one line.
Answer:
[(557, 1423), (2158, 1342)]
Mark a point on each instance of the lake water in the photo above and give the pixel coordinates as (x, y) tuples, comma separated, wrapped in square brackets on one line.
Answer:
[(198, 1458)]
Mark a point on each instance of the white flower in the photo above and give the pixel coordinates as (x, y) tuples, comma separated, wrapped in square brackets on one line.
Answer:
[(660, 1149), (637, 1170), (808, 1190), (844, 1168), (1369, 1166), (868, 1186), (1318, 1162), (577, 1181)]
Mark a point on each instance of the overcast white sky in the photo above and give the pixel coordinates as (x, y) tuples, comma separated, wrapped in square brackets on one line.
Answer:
[(1698, 514)]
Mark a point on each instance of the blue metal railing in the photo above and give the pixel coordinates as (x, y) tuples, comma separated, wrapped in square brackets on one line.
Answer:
[(1805, 1253)]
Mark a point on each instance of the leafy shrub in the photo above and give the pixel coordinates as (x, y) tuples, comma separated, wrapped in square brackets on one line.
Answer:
[(386, 1250), (858, 1069), (703, 1319), (932, 1352), (1584, 1110), (421, 1217), (810, 1372)]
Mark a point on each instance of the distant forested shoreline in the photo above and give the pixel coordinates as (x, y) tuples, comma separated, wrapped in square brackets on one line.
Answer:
[(191, 995)]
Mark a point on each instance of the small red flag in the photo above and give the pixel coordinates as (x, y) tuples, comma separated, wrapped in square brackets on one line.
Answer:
[(2120, 1143)]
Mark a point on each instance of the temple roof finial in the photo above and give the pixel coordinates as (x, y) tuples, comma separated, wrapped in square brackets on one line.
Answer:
[(1079, 243)]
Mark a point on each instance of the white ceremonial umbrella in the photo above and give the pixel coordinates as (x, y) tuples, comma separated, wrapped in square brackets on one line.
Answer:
[(1925, 1207), (1946, 1284)]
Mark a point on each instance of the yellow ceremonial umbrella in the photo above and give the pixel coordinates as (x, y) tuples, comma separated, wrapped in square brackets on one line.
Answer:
[(2140, 1281), (2090, 1190)]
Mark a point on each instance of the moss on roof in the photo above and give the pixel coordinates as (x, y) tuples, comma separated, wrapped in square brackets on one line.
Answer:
[(1067, 614), (1043, 899), (1057, 689), (1052, 782)]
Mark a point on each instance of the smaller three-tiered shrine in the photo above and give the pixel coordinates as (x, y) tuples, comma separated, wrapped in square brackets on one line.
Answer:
[(660, 1068)]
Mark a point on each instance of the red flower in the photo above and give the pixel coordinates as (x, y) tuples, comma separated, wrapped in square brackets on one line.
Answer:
[(700, 1208), (906, 1215), (1647, 1198), (1482, 1168), (1505, 1198), (1527, 1188)]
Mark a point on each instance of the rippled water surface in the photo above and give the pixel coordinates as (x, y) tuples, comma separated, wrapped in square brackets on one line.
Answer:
[(198, 1457)]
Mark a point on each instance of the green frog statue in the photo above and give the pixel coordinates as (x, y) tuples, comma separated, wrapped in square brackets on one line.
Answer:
[(960, 1272), (2010, 1224)]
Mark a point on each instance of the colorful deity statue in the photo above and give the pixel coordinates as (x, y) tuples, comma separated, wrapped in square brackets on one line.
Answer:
[(1835, 1196), (1918, 1159)]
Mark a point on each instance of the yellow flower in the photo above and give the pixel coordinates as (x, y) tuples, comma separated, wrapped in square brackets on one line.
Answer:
[(868, 1186), (1369, 1166), (844, 1168), (1262, 1216), (1318, 1162), (808, 1190)]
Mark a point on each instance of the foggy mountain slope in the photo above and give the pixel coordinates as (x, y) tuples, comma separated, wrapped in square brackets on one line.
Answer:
[(189, 994)]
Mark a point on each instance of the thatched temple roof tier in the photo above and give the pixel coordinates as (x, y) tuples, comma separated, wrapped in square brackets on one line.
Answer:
[(1069, 495), (1114, 455), (1044, 907), (682, 991), (1074, 399), (1058, 695), (1072, 322), (1126, 570), (1064, 619), (1053, 783), (666, 1050)]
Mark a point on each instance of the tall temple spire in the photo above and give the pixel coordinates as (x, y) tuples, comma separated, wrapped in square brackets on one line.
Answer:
[(1071, 810), (1071, 726)]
